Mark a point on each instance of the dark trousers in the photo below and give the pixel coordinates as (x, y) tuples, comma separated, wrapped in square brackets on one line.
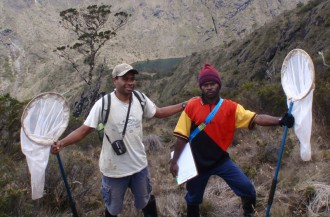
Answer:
[(229, 172)]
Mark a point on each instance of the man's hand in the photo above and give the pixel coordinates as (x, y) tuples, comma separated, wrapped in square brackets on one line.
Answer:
[(178, 147), (287, 120), (174, 168), (56, 147)]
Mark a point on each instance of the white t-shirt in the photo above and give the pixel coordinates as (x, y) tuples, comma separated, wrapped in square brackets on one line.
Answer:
[(135, 158)]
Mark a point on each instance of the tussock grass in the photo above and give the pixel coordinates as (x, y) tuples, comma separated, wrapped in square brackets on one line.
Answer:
[(320, 201), (302, 189)]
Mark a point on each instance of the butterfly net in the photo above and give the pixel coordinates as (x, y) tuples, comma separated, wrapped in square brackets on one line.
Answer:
[(44, 120), (297, 77)]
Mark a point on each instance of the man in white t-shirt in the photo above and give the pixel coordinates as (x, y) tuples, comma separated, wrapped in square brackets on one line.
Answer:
[(127, 169)]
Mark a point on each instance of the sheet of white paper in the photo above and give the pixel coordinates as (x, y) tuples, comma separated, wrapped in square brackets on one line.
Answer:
[(186, 163)]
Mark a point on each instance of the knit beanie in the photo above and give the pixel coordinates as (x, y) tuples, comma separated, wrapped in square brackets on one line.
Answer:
[(208, 73)]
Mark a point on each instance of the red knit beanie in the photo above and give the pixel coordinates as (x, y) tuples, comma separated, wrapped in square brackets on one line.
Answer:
[(208, 73)]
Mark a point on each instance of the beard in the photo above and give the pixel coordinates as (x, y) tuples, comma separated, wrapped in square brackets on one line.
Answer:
[(211, 94)]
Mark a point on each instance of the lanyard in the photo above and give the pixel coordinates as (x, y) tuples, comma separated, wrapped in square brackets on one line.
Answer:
[(207, 120)]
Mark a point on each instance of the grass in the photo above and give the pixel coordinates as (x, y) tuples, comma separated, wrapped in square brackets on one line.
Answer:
[(302, 187)]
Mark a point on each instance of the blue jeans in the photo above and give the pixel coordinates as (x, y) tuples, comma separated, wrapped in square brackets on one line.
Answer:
[(232, 175), (113, 190)]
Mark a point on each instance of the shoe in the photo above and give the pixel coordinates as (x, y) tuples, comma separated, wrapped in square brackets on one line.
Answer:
[(249, 204), (192, 210), (150, 210), (107, 214)]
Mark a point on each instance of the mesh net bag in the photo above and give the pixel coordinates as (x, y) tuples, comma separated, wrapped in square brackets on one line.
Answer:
[(44, 120), (297, 77)]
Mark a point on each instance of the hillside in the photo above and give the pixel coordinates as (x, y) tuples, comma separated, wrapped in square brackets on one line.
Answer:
[(250, 72), (30, 31), (257, 61)]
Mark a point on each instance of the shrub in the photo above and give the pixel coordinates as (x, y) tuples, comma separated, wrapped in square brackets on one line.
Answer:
[(10, 123)]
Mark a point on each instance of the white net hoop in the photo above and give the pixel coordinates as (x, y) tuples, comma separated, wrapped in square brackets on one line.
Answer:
[(44, 120), (297, 74), (297, 77)]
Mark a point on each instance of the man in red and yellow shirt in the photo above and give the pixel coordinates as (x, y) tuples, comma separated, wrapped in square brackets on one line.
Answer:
[(209, 146)]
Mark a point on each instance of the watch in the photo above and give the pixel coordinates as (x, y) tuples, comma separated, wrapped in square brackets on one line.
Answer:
[(183, 105)]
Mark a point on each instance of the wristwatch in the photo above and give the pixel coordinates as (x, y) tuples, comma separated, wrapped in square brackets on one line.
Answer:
[(183, 105)]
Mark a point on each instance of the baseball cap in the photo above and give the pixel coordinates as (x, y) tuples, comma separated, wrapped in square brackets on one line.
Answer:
[(122, 69)]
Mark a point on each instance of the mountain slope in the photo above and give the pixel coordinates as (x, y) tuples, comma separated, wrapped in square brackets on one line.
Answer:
[(257, 60), (29, 31)]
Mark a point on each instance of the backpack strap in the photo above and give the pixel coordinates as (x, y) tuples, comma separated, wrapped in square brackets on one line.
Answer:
[(141, 98), (106, 101), (102, 115)]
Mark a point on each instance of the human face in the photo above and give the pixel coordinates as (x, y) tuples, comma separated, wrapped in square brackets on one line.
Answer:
[(125, 84), (210, 90)]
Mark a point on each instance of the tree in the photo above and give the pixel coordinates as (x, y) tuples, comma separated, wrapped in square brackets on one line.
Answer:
[(89, 26)]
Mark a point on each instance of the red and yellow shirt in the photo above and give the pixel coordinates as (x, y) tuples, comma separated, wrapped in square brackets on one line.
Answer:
[(210, 145)]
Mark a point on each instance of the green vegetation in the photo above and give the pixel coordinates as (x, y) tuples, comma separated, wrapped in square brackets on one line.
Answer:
[(11, 159), (10, 124), (309, 6)]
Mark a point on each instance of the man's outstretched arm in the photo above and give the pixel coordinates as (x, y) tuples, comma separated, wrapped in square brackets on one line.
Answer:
[(168, 110), (74, 137), (267, 120)]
